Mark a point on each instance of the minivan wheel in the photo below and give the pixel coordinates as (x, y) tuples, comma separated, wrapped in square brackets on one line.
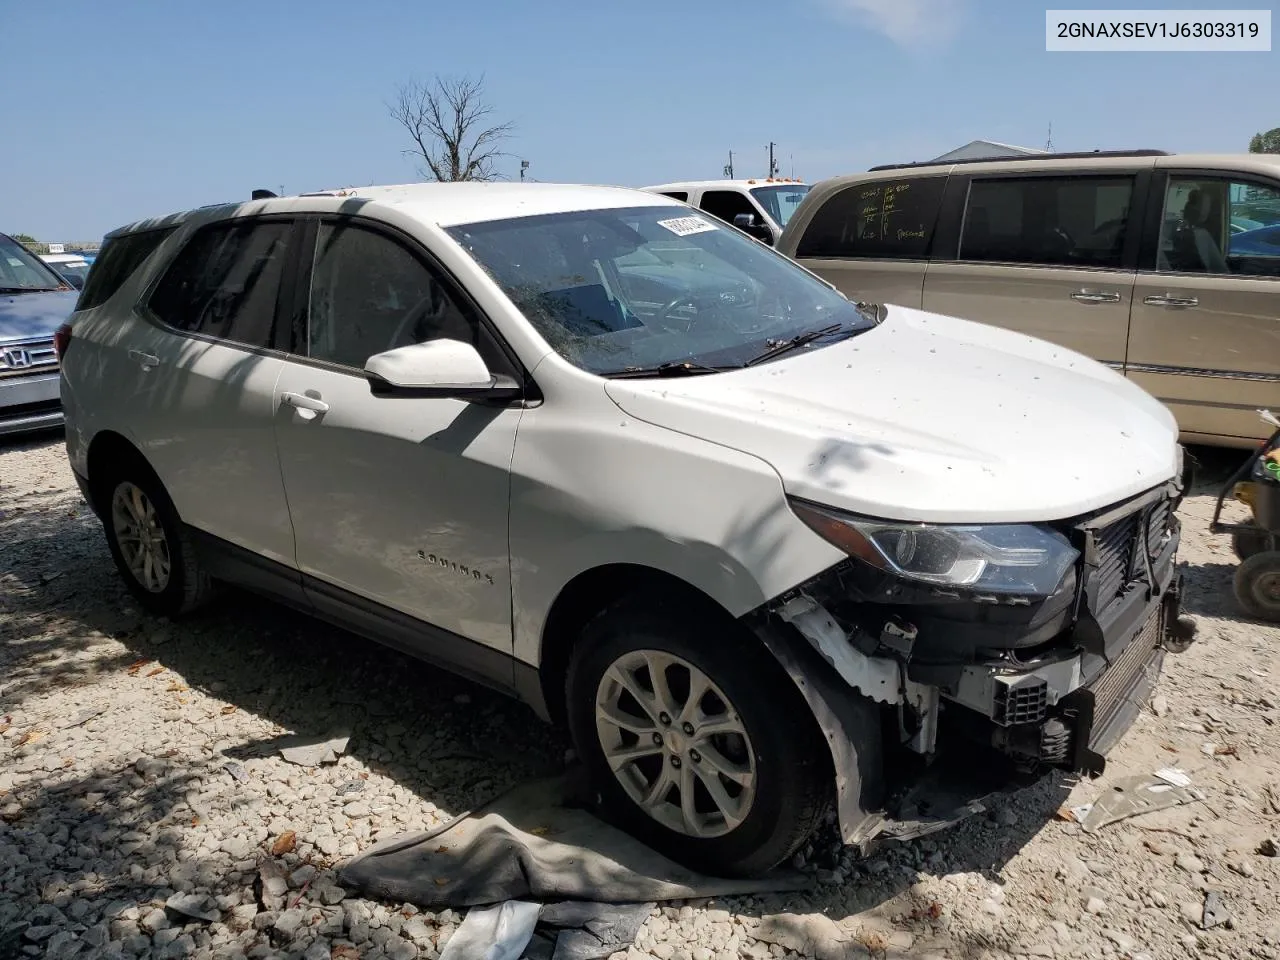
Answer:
[(696, 741), (149, 544)]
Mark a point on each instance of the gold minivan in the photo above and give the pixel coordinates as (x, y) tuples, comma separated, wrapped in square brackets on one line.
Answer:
[(1166, 267)]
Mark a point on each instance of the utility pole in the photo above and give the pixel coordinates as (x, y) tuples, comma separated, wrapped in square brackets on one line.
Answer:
[(1048, 144), (728, 167), (773, 164)]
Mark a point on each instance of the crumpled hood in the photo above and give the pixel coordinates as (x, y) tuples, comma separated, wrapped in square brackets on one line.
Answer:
[(36, 314), (930, 418)]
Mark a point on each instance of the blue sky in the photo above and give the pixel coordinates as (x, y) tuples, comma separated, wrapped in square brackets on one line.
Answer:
[(120, 110)]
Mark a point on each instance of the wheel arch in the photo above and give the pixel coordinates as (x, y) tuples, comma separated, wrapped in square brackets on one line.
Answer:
[(588, 595), (106, 449)]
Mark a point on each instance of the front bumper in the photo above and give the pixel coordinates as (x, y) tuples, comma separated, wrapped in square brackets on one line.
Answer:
[(29, 403), (1058, 689)]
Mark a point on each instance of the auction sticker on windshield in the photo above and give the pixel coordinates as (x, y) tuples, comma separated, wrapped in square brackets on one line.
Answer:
[(687, 226)]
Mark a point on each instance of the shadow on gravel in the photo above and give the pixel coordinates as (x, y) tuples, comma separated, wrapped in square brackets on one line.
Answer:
[(442, 738)]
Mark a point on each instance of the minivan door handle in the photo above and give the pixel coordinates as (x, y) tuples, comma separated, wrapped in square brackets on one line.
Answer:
[(1169, 300), (1085, 296), (307, 407), (144, 360)]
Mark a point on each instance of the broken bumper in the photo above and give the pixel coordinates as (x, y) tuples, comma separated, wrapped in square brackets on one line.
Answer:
[(1060, 692)]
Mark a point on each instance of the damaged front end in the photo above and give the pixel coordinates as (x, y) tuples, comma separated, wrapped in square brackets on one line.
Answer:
[(1039, 643)]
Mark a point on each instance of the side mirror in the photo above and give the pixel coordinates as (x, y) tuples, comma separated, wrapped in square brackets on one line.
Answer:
[(437, 368), (753, 226)]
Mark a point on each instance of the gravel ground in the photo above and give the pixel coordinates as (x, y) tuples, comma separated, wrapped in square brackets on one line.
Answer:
[(139, 762)]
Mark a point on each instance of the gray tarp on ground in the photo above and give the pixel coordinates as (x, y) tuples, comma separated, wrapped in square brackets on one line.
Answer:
[(539, 843)]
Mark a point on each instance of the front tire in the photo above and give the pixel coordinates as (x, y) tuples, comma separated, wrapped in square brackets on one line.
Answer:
[(149, 543), (697, 742)]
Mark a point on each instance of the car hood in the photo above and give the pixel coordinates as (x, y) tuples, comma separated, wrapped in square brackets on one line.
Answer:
[(930, 418), (38, 314)]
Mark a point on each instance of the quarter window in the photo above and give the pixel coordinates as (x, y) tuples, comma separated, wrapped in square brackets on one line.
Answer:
[(116, 262), (224, 283), (882, 219), (370, 294), (1049, 221), (681, 195)]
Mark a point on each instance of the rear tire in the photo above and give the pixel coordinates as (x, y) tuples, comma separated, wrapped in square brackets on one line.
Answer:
[(1257, 585), (746, 748), (149, 543)]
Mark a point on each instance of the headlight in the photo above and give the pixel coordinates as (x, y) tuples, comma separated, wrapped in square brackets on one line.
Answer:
[(1000, 558)]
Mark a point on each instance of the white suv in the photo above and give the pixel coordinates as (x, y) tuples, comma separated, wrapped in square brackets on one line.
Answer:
[(759, 546)]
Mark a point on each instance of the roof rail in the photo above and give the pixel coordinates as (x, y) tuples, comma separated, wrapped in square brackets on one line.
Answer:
[(1023, 158)]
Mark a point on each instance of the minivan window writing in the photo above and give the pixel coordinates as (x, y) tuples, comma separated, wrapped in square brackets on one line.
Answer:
[(640, 287), (116, 262), (224, 282), (1048, 221), (878, 219)]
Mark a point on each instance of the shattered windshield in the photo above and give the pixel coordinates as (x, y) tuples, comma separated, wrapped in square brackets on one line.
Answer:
[(615, 290)]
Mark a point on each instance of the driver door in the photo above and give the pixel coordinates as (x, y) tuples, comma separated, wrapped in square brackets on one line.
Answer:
[(399, 503)]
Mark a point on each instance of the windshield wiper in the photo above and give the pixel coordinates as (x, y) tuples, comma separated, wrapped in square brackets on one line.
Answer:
[(779, 347), (672, 368), (28, 289)]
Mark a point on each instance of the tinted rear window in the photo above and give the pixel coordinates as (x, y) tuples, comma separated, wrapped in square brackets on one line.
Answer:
[(225, 281), (882, 219), (116, 263)]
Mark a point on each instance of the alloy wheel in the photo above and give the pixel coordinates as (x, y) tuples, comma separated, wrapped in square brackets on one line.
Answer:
[(140, 535), (675, 743)]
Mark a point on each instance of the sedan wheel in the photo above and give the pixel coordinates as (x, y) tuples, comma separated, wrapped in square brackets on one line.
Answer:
[(675, 743)]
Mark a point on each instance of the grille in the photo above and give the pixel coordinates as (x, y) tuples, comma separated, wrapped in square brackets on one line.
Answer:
[(1157, 526), (27, 357), (1023, 701), (1116, 543), (1116, 682), (1115, 556)]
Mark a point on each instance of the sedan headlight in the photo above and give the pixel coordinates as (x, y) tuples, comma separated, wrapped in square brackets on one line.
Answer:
[(999, 558)]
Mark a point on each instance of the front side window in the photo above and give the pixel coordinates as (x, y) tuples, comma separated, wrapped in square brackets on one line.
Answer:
[(1219, 226), (21, 271), (1047, 221), (781, 202), (225, 281), (370, 294), (633, 289), (726, 204), (882, 219)]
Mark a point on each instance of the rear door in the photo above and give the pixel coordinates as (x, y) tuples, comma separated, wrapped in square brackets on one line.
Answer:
[(1205, 333), (201, 391), (872, 239), (1050, 255)]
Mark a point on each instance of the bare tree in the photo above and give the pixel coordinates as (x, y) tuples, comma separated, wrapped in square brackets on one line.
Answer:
[(448, 121)]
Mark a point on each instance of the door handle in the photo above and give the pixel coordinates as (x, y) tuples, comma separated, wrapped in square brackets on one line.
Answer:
[(308, 407), (1168, 300), (145, 360), (1084, 296)]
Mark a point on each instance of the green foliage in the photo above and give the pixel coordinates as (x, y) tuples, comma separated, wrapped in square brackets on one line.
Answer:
[(1268, 142)]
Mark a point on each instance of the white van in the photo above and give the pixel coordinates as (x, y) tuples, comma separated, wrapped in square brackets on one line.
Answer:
[(758, 207)]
